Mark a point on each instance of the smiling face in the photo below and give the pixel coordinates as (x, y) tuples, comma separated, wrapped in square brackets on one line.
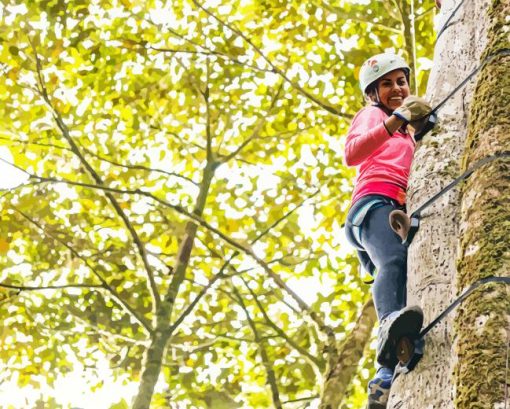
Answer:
[(393, 89)]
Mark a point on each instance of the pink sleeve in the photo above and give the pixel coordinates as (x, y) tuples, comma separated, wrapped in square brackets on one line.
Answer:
[(366, 134)]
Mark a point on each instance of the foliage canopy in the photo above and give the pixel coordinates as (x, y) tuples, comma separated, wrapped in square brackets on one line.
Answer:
[(133, 119)]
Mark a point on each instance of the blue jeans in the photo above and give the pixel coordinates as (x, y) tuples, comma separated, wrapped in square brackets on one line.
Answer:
[(380, 247)]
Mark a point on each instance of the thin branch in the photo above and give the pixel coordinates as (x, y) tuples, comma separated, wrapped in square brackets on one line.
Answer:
[(320, 364), (232, 338), (296, 86), (8, 190), (195, 301), (74, 147), (258, 127), (301, 399), (271, 378), (51, 287), (106, 333), (13, 141), (342, 15), (208, 52), (430, 9), (208, 133), (138, 167), (140, 319)]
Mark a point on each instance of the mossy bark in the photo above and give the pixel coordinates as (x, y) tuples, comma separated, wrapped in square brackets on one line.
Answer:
[(483, 322)]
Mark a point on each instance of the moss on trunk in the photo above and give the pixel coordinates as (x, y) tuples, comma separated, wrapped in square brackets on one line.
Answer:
[(484, 319)]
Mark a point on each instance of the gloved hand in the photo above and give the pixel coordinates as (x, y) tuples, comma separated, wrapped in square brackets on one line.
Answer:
[(412, 109), (419, 124)]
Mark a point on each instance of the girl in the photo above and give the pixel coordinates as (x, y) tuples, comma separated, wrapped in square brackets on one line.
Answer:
[(380, 144)]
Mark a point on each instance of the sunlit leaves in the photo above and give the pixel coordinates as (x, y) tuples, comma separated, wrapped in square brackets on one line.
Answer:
[(123, 95)]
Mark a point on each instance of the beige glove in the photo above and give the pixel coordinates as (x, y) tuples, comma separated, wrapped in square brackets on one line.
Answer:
[(413, 108)]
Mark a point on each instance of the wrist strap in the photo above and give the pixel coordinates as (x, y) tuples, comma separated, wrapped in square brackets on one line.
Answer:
[(386, 127)]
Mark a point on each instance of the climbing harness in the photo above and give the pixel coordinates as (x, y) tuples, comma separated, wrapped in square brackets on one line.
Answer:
[(355, 219), (407, 226), (410, 349)]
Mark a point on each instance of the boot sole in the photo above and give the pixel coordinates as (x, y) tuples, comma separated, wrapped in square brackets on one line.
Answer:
[(376, 405), (408, 324)]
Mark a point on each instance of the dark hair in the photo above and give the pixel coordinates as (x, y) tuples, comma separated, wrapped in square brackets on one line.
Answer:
[(371, 89)]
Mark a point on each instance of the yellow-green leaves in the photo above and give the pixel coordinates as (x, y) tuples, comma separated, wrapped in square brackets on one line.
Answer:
[(115, 109)]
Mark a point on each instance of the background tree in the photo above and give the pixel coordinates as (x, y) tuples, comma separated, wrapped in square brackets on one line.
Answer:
[(185, 176)]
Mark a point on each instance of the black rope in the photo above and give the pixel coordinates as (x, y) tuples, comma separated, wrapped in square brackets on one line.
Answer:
[(485, 61), (418, 351), (459, 179), (431, 116), (462, 297), (446, 24)]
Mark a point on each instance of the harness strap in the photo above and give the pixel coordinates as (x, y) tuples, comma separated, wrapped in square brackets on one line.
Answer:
[(359, 216)]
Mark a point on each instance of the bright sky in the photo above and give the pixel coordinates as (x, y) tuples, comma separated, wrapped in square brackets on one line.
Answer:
[(10, 176)]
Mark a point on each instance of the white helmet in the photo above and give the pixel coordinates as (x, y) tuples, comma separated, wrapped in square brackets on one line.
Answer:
[(377, 66)]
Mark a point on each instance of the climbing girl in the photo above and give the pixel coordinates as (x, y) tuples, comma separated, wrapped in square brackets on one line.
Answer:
[(380, 144)]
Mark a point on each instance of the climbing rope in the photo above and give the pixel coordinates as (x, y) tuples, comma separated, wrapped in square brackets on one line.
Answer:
[(485, 61), (409, 351), (462, 297), (446, 24), (407, 226), (432, 116)]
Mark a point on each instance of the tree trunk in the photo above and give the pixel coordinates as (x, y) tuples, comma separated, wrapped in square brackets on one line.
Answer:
[(482, 326), (153, 358), (455, 362), (339, 375), (152, 367)]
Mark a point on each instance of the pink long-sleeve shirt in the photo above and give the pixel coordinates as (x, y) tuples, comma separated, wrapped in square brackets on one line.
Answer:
[(382, 161)]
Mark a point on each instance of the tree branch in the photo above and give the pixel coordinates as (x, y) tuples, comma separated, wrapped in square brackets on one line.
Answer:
[(13, 141), (343, 367), (51, 287), (316, 361), (208, 133), (140, 319), (344, 16), (324, 105), (208, 52), (256, 131), (271, 378), (138, 167), (95, 176)]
